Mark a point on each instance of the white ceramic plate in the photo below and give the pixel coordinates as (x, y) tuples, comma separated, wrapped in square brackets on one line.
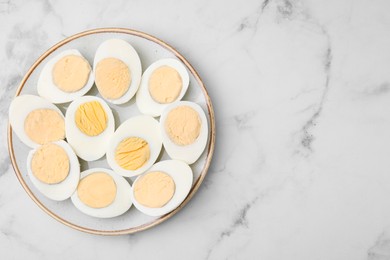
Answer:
[(149, 49)]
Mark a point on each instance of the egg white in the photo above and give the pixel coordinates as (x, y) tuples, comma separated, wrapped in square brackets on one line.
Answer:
[(181, 174), (46, 87), (121, 203), (19, 109), (146, 104), (187, 153), (88, 148), (122, 50), (63, 190), (145, 127)]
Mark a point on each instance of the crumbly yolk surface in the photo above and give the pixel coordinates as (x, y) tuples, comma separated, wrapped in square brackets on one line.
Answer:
[(165, 84), (50, 164), (154, 190), (91, 118), (132, 153), (71, 73), (44, 125), (183, 125), (112, 78), (97, 190)]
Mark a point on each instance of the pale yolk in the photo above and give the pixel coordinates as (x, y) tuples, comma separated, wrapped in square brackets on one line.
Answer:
[(50, 164), (132, 153), (154, 190), (91, 118), (112, 78), (183, 125), (44, 126), (71, 73), (97, 190), (165, 85)]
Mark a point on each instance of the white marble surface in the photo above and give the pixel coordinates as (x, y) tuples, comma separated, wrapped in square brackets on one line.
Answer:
[(301, 91)]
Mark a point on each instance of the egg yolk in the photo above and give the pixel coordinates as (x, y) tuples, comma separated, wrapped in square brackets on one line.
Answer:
[(50, 164), (183, 125), (71, 73), (44, 125), (165, 84), (112, 78), (91, 118), (132, 153), (154, 190), (97, 190)]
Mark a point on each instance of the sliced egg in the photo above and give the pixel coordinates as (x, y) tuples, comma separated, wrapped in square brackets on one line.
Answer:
[(153, 193), (89, 125), (135, 146), (65, 77), (117, 70), (163, 82), (184, 131), (36, 121), (102, 193), (54, 170)]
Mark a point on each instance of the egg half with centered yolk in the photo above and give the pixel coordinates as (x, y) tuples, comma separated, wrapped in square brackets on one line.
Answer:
[(102, 193), (117, 70), (135, 146), (164, 82), (89, 125), (36, 121), (184, 131), (65, 77), (54, 170), (162, 188)]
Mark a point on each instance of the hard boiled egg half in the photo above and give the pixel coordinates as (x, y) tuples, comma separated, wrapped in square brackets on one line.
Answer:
[(162, 188), (135, 146), (163, 82), (36, 121), (102, 193), (54, 170), (117, 70), (65, 77), (184, 131), (89, 125)]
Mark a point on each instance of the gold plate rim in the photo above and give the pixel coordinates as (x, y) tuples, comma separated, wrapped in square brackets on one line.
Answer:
[(210, 148)]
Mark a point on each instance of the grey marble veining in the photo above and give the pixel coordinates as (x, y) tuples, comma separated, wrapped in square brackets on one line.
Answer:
[(302, 99)]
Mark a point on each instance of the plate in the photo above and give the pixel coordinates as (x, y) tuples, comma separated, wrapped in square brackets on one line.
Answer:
[(149, 49)]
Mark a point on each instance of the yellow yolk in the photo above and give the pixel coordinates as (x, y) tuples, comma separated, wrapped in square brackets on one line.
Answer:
[(132, 153), (112, 78), (154, 190), (44, 126), (165, 85), (91, 118), (50, 164), (97, 190), (71, 73), (183, 125)]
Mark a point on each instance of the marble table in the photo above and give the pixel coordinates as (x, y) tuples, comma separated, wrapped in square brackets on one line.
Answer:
[(301, 91)]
